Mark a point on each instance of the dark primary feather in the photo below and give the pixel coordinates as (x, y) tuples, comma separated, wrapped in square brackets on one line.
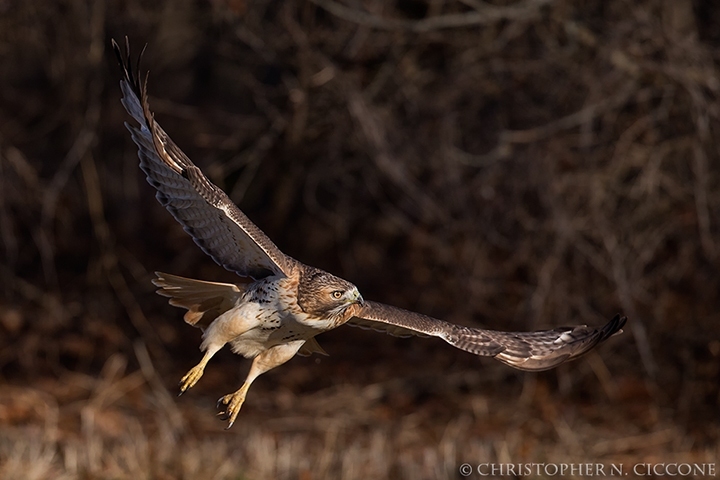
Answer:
[(216, 224), (524, 350)]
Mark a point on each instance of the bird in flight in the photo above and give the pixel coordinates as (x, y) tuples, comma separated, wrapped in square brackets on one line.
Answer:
[(284, 304)]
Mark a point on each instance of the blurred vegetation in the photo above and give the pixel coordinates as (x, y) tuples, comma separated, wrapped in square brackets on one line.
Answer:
[(511, 164)]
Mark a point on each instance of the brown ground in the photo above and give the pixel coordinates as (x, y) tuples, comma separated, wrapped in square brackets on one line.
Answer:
[(511, 164)]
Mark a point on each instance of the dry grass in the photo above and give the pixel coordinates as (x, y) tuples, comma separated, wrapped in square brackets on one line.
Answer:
[(120, 429), (515, 164)]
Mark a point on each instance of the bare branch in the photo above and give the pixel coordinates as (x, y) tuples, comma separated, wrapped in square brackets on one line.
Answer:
[(488, 15)]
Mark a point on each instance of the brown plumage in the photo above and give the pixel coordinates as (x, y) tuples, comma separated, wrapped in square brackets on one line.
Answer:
[(532, 351), (284, 304), (204, 301)]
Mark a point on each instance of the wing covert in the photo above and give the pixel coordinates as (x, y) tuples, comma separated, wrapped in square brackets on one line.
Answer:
[(532, 351), (214, 222)]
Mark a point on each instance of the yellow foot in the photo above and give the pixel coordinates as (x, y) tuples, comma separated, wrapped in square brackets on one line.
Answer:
[(191, 378), (232, 403)]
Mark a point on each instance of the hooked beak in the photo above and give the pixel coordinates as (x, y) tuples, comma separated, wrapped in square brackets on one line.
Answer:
[(357, 298)]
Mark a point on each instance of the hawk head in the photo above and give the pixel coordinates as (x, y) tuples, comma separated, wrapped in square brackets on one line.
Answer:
[(324, 296)]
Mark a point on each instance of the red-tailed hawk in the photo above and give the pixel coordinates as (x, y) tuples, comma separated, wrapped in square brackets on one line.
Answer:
[(285, 304)]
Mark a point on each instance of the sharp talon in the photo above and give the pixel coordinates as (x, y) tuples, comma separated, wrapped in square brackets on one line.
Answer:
[(230, 425), (181, 392), (190, 378), (230, 405)]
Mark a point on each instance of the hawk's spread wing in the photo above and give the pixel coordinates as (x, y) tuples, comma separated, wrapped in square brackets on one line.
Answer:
[(524, 350), (216, 224)]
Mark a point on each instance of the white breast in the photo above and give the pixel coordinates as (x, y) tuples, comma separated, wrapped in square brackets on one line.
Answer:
[(261, 319)]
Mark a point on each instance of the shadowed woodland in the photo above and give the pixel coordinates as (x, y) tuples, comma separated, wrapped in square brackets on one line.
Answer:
[(511, 164)]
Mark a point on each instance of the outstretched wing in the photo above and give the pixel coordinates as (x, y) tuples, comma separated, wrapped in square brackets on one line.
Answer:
[(215, 223), (531, 351)]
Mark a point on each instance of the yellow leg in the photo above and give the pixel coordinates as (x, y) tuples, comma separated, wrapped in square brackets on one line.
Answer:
[(267, 360), (195, 373), (233, 402)]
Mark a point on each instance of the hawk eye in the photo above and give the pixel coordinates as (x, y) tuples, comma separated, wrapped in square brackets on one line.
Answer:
[(337, 294)]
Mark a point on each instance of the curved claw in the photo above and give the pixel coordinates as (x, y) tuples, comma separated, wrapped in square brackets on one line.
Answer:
[(233, 403), (191, 378)]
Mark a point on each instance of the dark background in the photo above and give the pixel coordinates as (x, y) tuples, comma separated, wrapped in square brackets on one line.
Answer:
[(515, 165)]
